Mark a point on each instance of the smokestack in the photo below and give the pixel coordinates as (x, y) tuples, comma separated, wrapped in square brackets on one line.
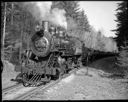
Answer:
[(45, 26)]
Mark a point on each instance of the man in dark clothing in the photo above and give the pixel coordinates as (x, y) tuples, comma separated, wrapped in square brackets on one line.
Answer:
[(1, 63)]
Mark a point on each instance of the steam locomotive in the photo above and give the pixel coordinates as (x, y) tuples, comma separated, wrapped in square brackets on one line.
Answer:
[(52, 53)]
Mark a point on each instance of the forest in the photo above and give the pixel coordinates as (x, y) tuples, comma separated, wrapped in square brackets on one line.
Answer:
[(19, 20)]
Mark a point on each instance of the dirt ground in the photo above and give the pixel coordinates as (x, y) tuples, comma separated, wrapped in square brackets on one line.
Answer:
[(8, 74), (80, 86), (107, 65)]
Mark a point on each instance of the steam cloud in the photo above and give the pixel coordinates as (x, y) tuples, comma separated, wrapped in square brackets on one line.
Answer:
[(42, 11)]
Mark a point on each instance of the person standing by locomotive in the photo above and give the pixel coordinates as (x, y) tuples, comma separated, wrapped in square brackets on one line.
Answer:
[(84, 55), (1, 63)]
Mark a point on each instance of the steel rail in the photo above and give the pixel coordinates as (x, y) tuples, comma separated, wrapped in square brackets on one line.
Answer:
[(11, 87), (43, 87)]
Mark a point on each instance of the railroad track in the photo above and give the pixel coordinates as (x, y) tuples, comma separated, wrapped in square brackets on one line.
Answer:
[(27, 94), (42, 87), (10, 88)]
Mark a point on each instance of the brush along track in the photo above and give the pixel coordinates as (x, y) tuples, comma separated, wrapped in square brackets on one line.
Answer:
[(42, 87)]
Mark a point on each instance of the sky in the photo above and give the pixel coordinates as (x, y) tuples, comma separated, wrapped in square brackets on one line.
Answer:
[(101, 15)]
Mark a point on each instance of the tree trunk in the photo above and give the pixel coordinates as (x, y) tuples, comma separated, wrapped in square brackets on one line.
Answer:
[(21, 40), (4, 28), (12, 13), (87, 65)]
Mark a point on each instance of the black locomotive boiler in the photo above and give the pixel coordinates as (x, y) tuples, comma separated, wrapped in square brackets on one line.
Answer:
[(51, 54)]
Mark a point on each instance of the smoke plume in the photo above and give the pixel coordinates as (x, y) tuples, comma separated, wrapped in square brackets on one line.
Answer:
[(42, 11)]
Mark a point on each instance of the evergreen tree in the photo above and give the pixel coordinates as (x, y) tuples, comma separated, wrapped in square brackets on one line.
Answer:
[(19, 25), (122, 36), (100, 42), (83, 21), (71, 7), (122, 26), (76, 19), (122, 59)]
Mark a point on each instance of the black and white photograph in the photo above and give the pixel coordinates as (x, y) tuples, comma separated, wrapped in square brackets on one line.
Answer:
[(64, 50)]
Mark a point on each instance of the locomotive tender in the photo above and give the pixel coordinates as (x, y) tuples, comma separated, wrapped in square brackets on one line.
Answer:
[(51, 54)]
